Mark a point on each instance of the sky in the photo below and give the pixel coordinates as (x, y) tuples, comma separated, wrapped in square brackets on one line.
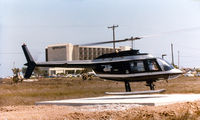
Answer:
[(39, 23)]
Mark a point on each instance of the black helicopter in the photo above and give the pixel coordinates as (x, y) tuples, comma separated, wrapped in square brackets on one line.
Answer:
[(126, 66)]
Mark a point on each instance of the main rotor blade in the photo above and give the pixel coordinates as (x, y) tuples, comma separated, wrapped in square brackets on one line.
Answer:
[(116, 41), (171, 32), (146, 36)]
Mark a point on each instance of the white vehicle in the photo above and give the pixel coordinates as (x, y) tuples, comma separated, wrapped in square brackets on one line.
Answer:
[(189, 75), (197, 75), (69, 75)]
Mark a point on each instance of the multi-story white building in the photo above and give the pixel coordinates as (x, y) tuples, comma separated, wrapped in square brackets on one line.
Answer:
[(69, 52)]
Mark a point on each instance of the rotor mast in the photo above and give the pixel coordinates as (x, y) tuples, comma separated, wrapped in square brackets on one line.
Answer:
[(113, 28), (132, 39)]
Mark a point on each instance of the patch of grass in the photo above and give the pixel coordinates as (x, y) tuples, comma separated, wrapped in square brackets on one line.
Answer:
[(64, 88), (51, 89)]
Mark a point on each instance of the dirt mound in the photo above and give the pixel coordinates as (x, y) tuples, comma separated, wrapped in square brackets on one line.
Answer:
[(179, 111)]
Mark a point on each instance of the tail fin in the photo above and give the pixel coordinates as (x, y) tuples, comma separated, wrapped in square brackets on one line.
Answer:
[(31, 63)]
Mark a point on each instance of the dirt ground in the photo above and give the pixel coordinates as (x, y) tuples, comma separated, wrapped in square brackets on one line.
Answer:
[(17, 101), (178, 111)]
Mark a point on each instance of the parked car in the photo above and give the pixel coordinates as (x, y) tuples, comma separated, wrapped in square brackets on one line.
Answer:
[(189, 75), (197, 75), (74, 75), (69, 75)]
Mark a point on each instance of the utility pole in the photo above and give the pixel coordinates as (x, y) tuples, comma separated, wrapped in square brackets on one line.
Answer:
[(113, 28), (172, 54), (178, 59)]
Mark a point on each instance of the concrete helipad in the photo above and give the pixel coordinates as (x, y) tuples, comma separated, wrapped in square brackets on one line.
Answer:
[(152, 100)]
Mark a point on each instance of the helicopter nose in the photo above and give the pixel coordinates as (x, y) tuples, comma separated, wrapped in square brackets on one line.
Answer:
[(175, 73)]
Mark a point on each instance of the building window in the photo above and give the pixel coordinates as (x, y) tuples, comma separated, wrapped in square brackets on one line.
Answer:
[(53, 72)]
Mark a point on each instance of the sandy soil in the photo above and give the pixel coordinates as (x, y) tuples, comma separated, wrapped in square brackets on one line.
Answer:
[(178, 111)]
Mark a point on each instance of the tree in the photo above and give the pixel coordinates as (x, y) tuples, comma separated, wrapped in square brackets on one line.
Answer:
[(78, 71), (175, 66), (198, 70), (85, 74), (24, 70), (86, 70), (16, 76), (39, 72)]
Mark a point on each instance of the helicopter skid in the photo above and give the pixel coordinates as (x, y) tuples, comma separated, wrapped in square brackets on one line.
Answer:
[(136, 92)]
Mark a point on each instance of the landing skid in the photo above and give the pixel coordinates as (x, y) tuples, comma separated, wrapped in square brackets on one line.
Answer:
[(149, 83), (136, 92), (128, 89)]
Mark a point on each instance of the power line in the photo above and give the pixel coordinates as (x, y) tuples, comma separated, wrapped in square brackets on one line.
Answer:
[(17, 52), (11, 53)]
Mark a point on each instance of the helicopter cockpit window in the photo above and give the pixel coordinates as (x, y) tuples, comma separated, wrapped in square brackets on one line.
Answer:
[(164, 65), (137, 66), (152, 65)]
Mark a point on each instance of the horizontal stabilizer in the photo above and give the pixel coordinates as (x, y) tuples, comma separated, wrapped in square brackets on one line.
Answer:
[(136, 92)]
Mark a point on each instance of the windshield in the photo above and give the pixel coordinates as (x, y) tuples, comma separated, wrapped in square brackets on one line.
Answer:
[(164, 64)]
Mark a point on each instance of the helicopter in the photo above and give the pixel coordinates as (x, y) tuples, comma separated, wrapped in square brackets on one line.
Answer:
[(124, 66)]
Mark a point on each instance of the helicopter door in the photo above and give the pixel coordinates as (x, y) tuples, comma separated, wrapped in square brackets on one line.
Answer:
[(152, 65)]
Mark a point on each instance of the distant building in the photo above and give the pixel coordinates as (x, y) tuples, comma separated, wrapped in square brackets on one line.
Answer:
[(69, 52)]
